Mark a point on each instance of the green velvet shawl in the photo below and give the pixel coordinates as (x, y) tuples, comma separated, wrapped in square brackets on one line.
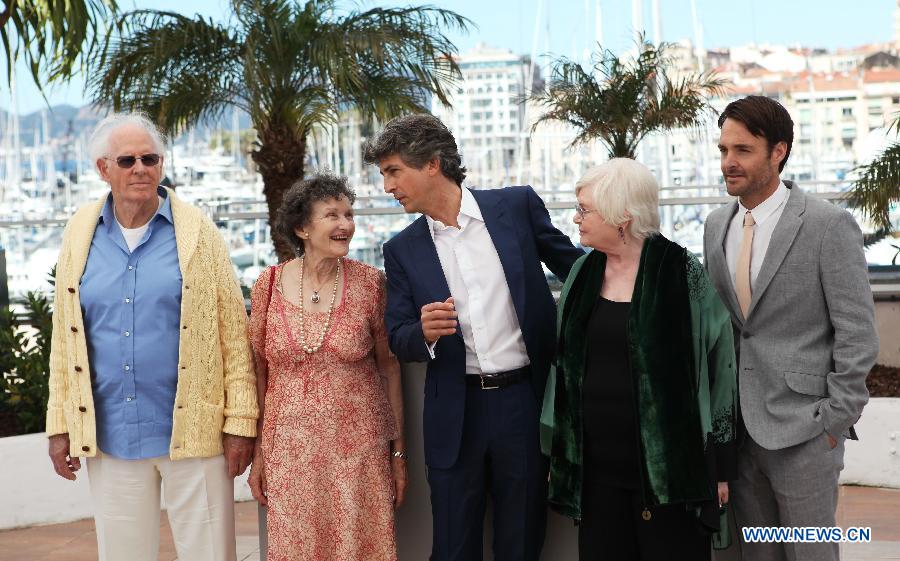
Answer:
[(683, 369)]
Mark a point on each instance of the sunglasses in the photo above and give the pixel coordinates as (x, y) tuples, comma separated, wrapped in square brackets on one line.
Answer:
[(127, 162)]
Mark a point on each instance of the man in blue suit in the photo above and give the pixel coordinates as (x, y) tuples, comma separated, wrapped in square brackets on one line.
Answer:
[(466, 293)]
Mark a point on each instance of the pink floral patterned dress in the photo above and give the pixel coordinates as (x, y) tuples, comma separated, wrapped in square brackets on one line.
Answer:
[(327, 425)]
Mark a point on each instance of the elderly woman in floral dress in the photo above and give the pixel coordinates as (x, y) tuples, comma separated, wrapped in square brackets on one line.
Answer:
[(331, 461)]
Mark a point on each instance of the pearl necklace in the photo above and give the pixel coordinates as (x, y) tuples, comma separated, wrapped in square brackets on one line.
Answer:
[(303, 345)]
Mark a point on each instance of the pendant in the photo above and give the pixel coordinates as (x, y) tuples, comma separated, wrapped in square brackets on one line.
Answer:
[(315, 297)]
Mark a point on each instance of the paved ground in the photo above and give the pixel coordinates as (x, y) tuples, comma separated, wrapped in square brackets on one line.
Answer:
[(859, 506)]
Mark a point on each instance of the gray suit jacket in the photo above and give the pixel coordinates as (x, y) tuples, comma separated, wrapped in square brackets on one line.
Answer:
[(809, 339)]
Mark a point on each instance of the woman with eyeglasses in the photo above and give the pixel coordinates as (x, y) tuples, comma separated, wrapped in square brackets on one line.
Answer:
[(151, 372), (643, 407), (331, 463)]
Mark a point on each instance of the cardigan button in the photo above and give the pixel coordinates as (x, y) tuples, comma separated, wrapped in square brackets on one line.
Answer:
[(85, 448), (78, 369), (184, 327), (181, 406), (74, 329), (82, 408), (71, 290)]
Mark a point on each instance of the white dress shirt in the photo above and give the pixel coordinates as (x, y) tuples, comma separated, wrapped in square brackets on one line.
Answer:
[(484, 306), (766, 216)]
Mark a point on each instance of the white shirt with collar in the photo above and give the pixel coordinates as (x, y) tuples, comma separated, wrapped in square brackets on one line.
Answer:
[(484, 306), (766, 216)]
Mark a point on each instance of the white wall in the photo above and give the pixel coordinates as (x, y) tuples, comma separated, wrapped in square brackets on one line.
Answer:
[(33, 494)]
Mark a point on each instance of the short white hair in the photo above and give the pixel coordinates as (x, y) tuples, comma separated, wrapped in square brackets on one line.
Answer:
[(98, 145), (622, 190)]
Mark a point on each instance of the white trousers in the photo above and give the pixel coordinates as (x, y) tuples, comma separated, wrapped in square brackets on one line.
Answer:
[(199, 498)]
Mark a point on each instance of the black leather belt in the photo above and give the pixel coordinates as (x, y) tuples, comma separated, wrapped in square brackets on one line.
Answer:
[(499, 379)]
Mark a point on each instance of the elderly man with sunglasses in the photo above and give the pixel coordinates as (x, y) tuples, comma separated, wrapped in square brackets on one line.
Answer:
[(151, 376)]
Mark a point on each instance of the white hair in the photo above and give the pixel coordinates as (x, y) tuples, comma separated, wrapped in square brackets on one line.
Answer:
[(622, 190), (98, 145)]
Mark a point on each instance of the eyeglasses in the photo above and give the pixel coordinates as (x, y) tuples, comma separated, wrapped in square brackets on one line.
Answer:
[(127, 162), (581, 211)]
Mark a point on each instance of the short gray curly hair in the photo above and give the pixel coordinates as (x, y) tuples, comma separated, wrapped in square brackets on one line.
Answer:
[(296, 207)]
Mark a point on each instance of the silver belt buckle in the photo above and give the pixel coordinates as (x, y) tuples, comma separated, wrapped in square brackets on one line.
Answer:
[(482, 377)]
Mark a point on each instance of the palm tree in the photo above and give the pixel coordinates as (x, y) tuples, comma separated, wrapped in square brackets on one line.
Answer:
[(620, 101), (877, 186), (290, 66), (55, 36)]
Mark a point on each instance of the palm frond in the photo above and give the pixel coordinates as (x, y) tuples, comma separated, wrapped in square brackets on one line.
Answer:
[(56, 37), (620, 101), (178, 69), (877, 187)]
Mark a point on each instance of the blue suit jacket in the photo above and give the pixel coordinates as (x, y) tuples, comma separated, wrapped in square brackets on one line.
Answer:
[(523, 235)]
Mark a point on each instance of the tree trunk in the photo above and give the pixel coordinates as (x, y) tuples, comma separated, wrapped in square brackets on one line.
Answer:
[(281, 160)]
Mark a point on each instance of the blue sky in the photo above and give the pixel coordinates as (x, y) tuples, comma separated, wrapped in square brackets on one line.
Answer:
[(566, 27)]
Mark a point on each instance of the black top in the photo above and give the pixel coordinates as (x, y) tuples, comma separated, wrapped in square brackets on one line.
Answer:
[(611, 451)]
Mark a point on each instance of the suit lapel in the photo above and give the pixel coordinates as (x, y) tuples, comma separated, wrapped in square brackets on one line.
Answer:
[(427, 263), (782, 239), (718, 265), (506, 241)]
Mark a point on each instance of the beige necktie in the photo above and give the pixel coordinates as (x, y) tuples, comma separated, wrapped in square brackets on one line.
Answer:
[(742, 280)]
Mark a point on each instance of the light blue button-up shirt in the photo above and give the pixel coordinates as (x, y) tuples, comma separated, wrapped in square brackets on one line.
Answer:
[(131, 303)]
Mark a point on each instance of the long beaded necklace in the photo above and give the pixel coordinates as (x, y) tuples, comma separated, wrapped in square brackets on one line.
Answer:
[(303, 345)]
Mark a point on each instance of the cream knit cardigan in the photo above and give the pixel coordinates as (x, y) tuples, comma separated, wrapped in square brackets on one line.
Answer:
[(216, 390)]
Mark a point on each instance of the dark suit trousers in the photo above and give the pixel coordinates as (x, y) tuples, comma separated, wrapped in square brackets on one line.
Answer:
[(499, 455)]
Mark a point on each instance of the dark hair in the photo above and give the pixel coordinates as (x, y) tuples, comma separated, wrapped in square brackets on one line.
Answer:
[(296, 208), (418, 139), (763, 117)]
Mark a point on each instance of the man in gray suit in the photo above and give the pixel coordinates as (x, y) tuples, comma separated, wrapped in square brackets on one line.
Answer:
[(790, 268)]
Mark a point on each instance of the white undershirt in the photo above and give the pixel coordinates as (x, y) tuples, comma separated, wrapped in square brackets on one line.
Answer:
[(487, 316), (133, 236), (766, 216)]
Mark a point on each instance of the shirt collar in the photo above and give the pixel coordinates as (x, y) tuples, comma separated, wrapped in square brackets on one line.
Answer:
[(468, 211), (108, 217), (767, 208)]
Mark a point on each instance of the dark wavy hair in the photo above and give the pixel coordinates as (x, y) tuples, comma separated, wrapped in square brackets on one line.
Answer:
[(418, 139), (763, 117), (296, 208)]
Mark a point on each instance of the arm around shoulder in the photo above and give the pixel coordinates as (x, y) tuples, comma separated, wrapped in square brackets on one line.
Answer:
[(554, 247)]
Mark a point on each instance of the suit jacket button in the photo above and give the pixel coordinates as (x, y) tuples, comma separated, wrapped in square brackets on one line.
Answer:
[(85, 448), (745, 335), (82, 408), (71, 290)]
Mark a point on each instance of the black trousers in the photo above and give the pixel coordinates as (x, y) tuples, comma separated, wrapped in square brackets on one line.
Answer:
[(499, 456), (613, 529)]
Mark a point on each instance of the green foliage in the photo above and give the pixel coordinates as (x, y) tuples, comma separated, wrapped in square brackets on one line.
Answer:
[(620, 101), (54, 36), (25, 362), (877, 187)]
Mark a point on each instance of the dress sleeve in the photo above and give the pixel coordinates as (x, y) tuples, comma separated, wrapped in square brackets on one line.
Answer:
[(259, 302), (376, 318)]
